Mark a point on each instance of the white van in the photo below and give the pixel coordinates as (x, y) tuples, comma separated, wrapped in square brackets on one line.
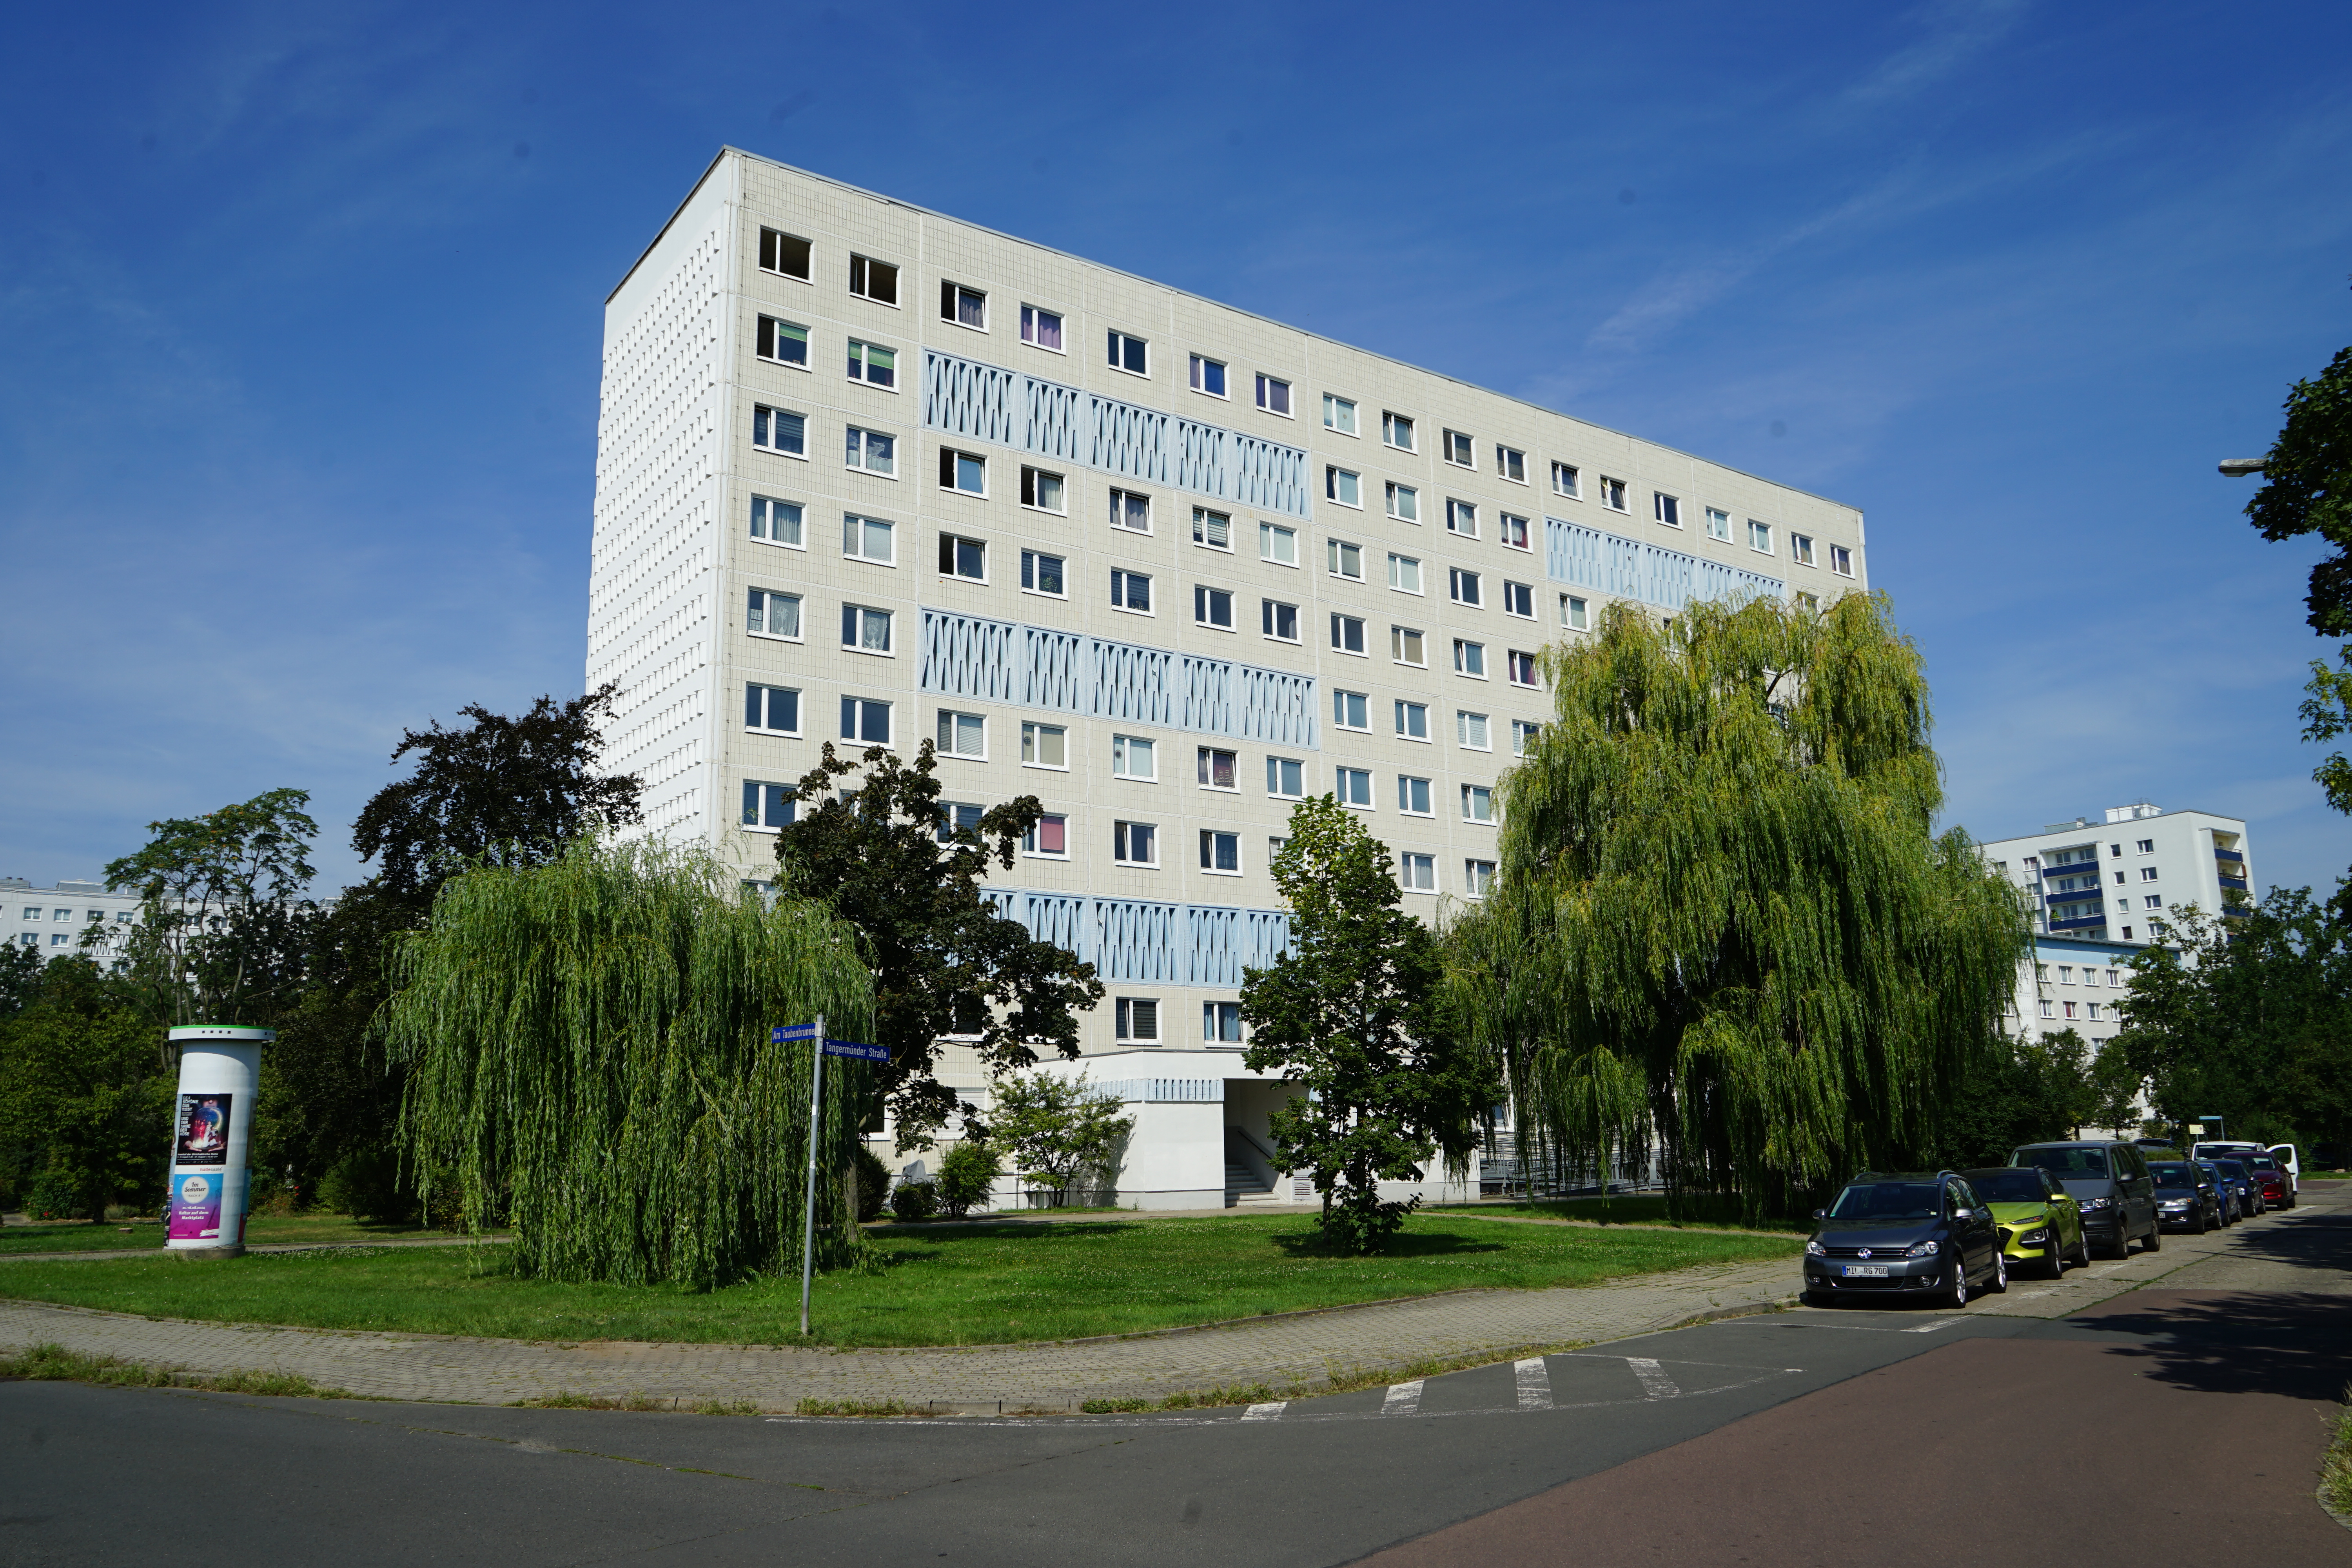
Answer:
[(2284, 1154)]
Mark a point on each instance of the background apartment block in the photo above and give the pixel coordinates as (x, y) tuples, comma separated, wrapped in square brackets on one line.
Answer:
[(2112, 880), (55, 919), (871, 475)]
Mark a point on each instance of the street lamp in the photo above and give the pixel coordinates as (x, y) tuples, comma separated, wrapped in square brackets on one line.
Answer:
[(2239, 468)]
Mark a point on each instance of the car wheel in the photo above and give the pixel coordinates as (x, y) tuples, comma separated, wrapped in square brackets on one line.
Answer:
[(2053, 1265), (1959, 1291), (2122, 1247), (2154, 1239), (2082, 1252), (1999, 1273)]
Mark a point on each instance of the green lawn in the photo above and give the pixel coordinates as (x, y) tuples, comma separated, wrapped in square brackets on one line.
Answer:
[(149, 1233), (991, 1284), (1706, 1212)]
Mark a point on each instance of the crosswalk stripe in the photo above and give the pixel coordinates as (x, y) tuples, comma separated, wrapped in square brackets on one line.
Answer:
[(1654, 1381), (1265, 1412), (1535, 1383), (1404, 1398)]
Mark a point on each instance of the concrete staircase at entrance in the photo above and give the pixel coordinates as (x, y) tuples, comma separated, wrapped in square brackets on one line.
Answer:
[(1244, 1186)]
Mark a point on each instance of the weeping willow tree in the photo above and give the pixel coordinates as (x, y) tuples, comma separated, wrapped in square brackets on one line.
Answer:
[(1725, 930), (589, 1054)]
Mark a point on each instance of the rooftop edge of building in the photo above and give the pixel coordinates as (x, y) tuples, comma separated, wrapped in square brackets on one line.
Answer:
[(727, 148)]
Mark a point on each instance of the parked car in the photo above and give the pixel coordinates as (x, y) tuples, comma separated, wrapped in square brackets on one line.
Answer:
[(2289, 1158), (2232, 1206), (2186, 1198), (2270, 1177), (2110, 1180), (1903, 1234), (2250, 1192), (2039, 1223)]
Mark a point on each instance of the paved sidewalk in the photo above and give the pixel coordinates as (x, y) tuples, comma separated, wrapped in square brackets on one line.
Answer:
[(1306, 1350)]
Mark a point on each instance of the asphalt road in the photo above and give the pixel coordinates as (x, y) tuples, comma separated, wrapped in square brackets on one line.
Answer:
[(2159, 1418)]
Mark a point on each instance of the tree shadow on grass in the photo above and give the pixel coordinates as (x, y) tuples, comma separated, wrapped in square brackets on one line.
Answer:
[(1309, 1242)]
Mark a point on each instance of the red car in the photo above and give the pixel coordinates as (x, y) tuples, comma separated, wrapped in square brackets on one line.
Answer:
[(2267, 1175)]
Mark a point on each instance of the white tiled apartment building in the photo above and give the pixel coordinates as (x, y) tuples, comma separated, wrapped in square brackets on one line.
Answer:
[(2112, 880), (870, 474), (55, 919)]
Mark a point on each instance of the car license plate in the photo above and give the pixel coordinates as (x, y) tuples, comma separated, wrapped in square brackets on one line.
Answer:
[(1866, 1271)]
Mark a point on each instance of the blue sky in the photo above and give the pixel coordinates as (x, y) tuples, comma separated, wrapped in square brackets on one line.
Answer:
[(300, 317)]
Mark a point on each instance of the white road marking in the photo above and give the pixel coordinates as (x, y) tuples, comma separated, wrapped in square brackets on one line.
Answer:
[(1654, 1381), (1404, 1398), (1535, 1383), (1272, 1411)]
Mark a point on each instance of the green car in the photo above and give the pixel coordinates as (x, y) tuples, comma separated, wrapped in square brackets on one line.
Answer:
[(2038, 1221)]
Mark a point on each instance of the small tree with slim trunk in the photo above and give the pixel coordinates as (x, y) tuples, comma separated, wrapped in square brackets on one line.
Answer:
[(1353, 1014)]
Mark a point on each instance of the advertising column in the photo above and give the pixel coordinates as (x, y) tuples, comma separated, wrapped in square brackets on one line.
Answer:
[(212, 1122)]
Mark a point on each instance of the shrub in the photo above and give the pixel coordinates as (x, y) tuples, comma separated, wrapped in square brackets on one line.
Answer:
[(366, 1185), (914, 1201), (872, 1184), (53, 1194), (967, 1176)]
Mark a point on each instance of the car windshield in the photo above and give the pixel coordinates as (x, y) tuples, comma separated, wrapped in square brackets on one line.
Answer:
[(2230, 1168), (1889, 1200), (2262, 1163), (2014, 1186), (2171, 1175), (2064, 1162)]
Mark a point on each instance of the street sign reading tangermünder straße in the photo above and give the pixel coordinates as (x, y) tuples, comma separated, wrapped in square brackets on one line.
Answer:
[(855, 1050)]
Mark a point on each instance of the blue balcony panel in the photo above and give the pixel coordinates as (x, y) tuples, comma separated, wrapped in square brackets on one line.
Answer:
[(2237, 882), (2078, 925)]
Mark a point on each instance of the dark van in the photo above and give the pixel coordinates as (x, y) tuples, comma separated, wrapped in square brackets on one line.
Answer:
[(2112, 1185)]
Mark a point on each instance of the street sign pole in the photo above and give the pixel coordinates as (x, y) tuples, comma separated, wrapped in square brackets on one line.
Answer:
[(808, 1209)]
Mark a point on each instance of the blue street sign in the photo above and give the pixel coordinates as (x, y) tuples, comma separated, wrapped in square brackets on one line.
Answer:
[(783, 1032), (863, 1053)]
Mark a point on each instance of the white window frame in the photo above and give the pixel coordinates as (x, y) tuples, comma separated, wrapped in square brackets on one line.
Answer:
[(1472, 794), (1403, 640), (1661, 504), (1339, 696), (865, 293), (1340, 620), (760, 809), (951, 295), (1463, 721), (1613, 495), (1404, 796), (1029, 314), (889, 630), (1332, 400), (1335, 554), (1760, 532), (1396, 562), (1120, 576), (1029, 573), (1477, 876), (1196, 364), (1202, 516), (1204, 598), (1841, 561), (1719, 524), (1523, 734), (1029, 849), (1800, 548), (1034, 733), (1123, 1007), (859, 554), (1404, 706), (771, 504), (1030, 474), (1462, 441), (772, 410), (1455, 577), (1566, 481), (1209, 835), (1341, 779), (956, 729), (764, 329), (1390, 422), (1410, 511), (1409, 861), (1461, 518), (1274, 767), (748, 589), (862, 466), (1511, 658), (1114, 353), (1122, 758), (778, 271), (799, 706), (948, 540), (1267, 532), (1289, 391), (1333, 474), (1203, 765), (1515, 593), (890, 716), (1120, 843), (860, 369), (1507, 459), (1269, 623), (1505, 523), (1117, 511), (1462, 646), (951, 461)]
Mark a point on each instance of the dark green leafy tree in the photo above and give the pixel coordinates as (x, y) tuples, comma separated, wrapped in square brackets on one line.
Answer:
[(20, 977), (1724, 920), (889, 857), (84, 1096), (2307, 489), (1355, 1013), (2244, 1017), (509, 790), (223, 925), (589, 1047), (501, 791), (2018, 1091), (1060, 1131)]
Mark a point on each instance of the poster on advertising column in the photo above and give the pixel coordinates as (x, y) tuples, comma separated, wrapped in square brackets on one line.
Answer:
[(202, 1138), (195, 1208)]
